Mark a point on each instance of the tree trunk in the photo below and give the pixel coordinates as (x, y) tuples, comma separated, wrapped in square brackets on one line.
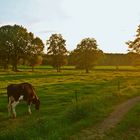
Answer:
[(117, 67), (5, 67), (14, 68), (58, 69), (87, 71), (32, 68)]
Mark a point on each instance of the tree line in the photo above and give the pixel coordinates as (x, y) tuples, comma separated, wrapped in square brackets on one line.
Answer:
[(118, 59), (20, 47)]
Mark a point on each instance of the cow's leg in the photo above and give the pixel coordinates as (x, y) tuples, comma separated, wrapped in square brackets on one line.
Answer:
[(14, 104), (29, 109), (9, 108), (10, 101)]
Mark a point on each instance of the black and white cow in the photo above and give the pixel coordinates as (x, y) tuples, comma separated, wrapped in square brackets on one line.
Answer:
[(19, 92)]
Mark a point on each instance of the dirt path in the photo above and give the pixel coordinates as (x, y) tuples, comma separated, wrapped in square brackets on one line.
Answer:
[(97, 132)]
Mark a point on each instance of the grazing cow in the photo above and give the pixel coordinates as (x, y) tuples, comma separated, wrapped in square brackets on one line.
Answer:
[(18, 92)]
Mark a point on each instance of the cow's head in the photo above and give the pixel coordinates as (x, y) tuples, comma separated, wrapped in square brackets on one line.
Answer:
[(37, 104), (36, 101)]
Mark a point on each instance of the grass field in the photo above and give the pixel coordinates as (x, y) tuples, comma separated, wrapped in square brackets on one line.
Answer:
[(60, 115)]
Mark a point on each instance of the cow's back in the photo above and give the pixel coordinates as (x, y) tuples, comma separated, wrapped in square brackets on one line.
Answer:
[(27, 90), (14, 91)]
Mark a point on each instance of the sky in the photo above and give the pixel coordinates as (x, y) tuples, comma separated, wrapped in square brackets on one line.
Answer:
[(110, 22)]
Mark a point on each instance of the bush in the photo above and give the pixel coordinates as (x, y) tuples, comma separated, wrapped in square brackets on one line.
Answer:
[(79, 110)]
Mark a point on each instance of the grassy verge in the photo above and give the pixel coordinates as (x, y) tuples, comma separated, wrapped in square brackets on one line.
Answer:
[(129, 127)]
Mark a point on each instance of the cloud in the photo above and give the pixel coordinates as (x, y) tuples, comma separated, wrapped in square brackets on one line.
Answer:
[(44, 10), (31, 11), (47, 31)]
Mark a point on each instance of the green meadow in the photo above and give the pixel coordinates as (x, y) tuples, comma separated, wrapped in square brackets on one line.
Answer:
[(70, 101)]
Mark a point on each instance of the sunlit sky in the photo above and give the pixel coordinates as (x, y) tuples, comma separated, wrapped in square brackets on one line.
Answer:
[(110, 22)]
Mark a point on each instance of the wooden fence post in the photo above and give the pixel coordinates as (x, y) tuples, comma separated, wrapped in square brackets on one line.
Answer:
[(76, 99)]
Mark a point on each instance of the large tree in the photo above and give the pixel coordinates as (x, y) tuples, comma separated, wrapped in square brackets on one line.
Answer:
[(17, 43), (86, 54), (134, 48), (35, 57), (57, 51)]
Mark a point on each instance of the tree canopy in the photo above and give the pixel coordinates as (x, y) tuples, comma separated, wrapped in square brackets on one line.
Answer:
[(86, 54), (57, 51), (134, 46)]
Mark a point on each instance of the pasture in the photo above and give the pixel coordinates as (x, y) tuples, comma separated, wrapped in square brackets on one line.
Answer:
[(70, 101)]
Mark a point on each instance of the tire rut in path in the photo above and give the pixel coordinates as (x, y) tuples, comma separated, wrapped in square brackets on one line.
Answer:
[(97, 132)]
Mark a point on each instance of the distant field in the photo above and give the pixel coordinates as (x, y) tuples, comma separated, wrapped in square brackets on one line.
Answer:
[(95, 68), (127, 68), (60, 115)]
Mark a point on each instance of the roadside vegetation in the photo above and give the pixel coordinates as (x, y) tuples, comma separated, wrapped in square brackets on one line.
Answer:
[(128, 128)]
